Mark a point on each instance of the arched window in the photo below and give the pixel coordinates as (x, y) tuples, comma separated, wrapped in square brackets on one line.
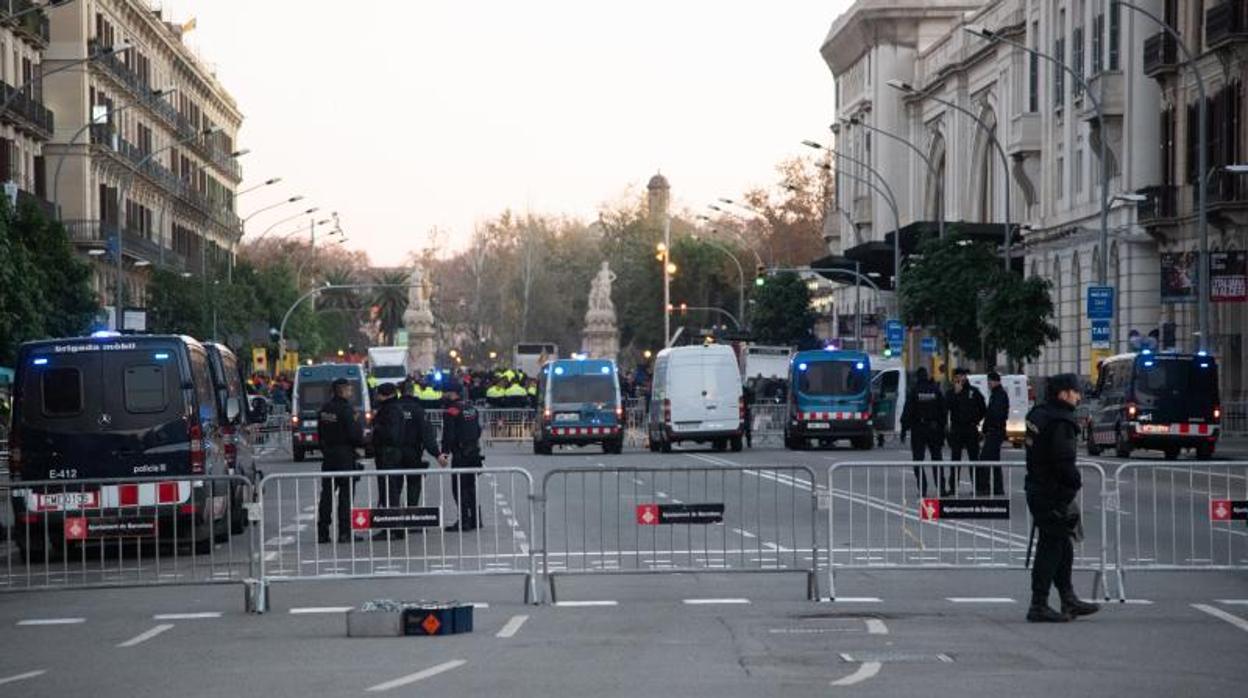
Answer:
[(984, 163), (934, 199)]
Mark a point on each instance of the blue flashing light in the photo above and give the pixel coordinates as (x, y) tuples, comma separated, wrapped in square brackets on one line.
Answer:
[(558, 370), (41, 362), (437, 376), (606, 369), (1148, 364), (161, 356), (1204, 364), (1146, 351), (860, 365), (801, 366), (1202, 352), (105, 334)]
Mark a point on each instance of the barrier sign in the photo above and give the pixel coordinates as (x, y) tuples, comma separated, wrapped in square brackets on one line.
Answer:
[(658, 514), (1228, 510), (932, 509), (83, 528), (399, 517)]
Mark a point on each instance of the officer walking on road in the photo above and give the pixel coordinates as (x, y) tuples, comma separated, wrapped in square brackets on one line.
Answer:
[(966, 410), (418, 435), (461, 440), (1053, 482), (989, 480), (339, 433), (388, 448), (924, 417)]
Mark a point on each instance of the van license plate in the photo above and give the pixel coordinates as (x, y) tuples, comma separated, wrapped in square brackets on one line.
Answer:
[(818, 425), (567, 417), (67, 501)]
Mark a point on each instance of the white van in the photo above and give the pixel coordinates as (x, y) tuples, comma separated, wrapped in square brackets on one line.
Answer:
[(1019, 391), (696, 396), (889, 386)]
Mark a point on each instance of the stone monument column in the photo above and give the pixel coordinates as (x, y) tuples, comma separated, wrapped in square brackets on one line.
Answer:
[(601, 336), (418, 319)]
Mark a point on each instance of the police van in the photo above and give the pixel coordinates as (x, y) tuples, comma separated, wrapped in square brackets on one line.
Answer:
[(1146, 400), (113, 407), (313, 388), (829, 399), (579, 403)]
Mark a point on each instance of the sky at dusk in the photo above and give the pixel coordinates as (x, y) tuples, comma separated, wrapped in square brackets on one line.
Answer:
[(403, 115)]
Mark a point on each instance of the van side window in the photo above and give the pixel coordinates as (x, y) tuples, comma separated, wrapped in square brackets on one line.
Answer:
[(62, 392), (144, 389), (203, 382)]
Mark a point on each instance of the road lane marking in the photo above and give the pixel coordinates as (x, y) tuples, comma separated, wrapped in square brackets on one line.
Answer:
[(23, 677), (980, 599), (744, 533), (146, 635), (52, 621), (1223, 615), (187, 616), (875, 626), (418, 676), (311, 610), (1140, 602), (1234, 602), (585, 604), (512, 627), (712, 602), (279, 541), (857, 599), (865, 671)]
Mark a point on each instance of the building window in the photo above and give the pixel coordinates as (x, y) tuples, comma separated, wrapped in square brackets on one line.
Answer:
[(1168, 147), (1076, 164), (1098, 43), (1060, 177), (1033, 71), (1115, 26), (1059, 52)]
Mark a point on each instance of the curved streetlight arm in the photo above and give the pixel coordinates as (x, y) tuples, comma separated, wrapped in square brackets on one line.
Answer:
[(287, 219), (281, 333), (710, 309), (270, 207), (889, 198), (268, 182), (992, 138), (740, 273), (739, 237), (931, 166), (828, 270)]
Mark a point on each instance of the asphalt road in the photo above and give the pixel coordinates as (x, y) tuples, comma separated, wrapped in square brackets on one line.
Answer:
[(671, 620)]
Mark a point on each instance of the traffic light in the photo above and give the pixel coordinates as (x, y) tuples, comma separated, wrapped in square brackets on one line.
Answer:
[(760, 281), (760, 275)]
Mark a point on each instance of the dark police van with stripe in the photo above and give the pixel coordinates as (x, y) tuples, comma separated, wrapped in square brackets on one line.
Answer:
[(98, 420)]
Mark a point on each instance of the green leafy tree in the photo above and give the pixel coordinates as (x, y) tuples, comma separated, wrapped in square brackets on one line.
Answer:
[(781, 313), (175, 304), (1016, 314), (941, 289)]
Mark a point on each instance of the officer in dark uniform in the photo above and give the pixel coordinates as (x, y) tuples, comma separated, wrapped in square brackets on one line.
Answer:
[(924, 417), (339, 433), (418, 435), (995, 417), (388, 448), (1052, 483), (966, 410), (461, 440)]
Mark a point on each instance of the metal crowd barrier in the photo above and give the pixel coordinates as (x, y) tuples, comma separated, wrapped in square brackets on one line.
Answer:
[(58, 534), (679, 519), (1235, 418), (501, 545), (1180, 516), (879, 519), (4, 457), (635, 425), (274, 435), (767, 422), (507, 425)]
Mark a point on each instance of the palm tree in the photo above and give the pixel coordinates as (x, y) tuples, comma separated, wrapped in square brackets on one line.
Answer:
[(339, 299), (390, 300)]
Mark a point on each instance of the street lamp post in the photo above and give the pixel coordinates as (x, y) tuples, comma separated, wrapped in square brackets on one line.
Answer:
[(120, 295), (859, 279), (712, 309), (1202, 180), (992, 138), (931, 167), (740, 274), (745, 244), (287, 219), (266, 183)]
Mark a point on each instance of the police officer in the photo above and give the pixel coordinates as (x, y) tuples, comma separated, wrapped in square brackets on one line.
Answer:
[(339, 433), (1052, 483), (461, 441), (418, 435), (966, 410), (989, 480), (924, 417), (388, 426)]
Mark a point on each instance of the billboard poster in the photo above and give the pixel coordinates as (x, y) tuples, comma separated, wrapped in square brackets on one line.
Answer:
[(1228, 277), (1178, 277)]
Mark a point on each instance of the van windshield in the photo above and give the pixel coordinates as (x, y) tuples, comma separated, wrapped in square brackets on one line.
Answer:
[(1182, 381), (598, 389), (393, 371), (831, 378), (312, 395)]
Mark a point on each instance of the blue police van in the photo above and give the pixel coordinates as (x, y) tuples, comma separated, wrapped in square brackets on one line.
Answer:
[(578, 403), (829, 399)]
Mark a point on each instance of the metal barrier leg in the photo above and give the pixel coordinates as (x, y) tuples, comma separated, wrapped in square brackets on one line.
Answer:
[(257, 595), (812, 586), (552, 599)]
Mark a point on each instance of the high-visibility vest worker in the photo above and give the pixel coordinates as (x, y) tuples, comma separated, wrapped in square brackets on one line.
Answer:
[(515, 390), (532, 390), (495, 392), (372, 381)]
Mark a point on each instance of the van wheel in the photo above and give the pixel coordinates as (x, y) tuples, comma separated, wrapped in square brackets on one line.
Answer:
[(1204, 451), (614, 447), (1122, 447), (1172, 452), (793, 444), (665, 446), (735, 442), (719, 444), (38, 554), (297, 453), (652, 444), (1093, 448), (862, 443)]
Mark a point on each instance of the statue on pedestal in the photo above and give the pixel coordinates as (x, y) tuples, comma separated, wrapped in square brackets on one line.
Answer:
[(418, 319), (601, 337)]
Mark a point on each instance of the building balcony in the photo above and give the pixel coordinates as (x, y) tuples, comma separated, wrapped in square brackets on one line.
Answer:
[(100, 235), (1226, 190), (1161, 205), (33, 25), (1161, 55), (1226, 24), (1023, 138), (1108, 88), (46, 207), (26, 112), (861, 212)]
